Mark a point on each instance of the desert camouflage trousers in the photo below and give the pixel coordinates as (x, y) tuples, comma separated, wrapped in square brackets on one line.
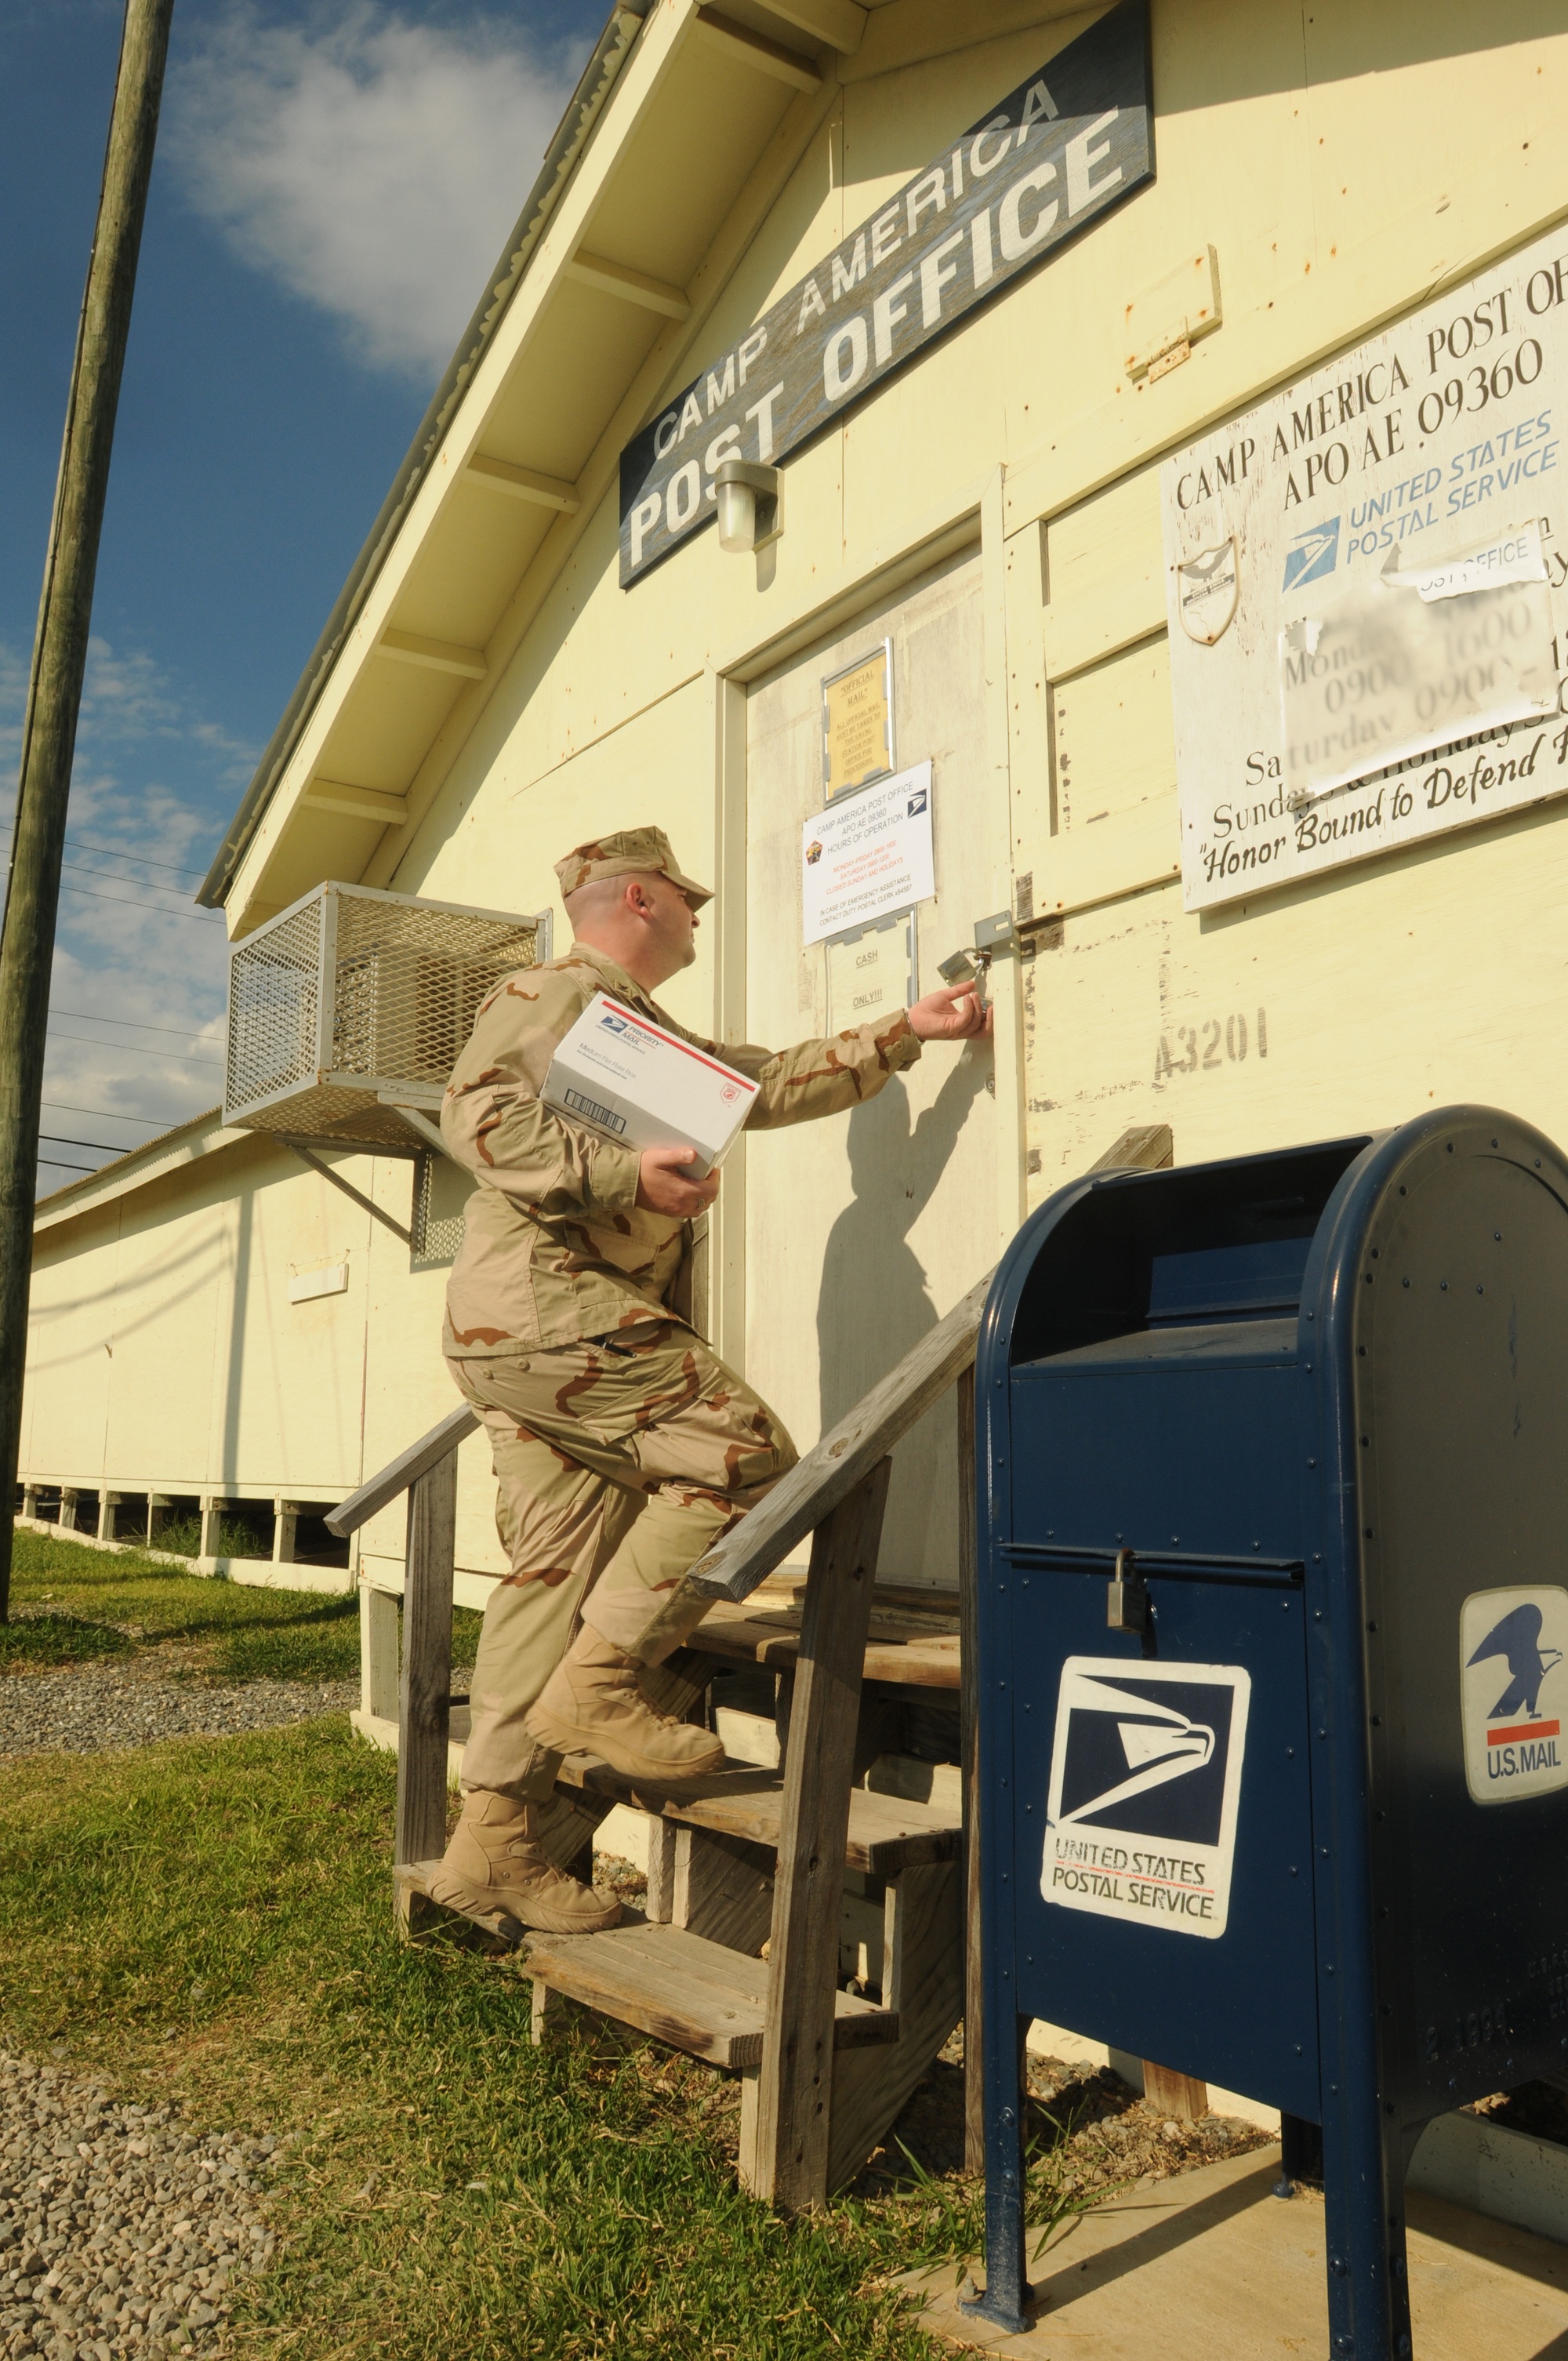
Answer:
[(618, 1461)]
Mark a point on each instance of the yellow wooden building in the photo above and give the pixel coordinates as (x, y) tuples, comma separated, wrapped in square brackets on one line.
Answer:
[(1008, 433)]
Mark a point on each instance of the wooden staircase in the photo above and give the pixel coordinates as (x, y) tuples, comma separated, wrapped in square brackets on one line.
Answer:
[(736, 1957)]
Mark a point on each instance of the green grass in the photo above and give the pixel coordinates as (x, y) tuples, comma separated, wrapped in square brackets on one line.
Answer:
[(320, 1647), (97, 1603), (210, 1919), (51, 1638), (184, 1537)]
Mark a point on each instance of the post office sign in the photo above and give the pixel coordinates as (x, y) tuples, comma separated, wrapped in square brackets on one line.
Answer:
[(1074, 140)]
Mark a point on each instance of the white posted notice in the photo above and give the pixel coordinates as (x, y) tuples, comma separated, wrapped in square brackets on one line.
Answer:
[(1366, 589), (869, 854)]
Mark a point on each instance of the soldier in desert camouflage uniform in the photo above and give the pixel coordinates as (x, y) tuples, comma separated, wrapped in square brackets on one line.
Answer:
[(623, 1447)]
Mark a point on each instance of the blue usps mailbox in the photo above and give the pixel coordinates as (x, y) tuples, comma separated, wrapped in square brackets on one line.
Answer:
[(1272, 1470)]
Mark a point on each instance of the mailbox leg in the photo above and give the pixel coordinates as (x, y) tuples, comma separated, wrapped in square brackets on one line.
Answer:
[(1364, 2223), (1007, 2290), (1300, 2154)]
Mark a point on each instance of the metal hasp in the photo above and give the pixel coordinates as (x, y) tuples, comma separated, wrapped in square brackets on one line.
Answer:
[(1302, 1835)]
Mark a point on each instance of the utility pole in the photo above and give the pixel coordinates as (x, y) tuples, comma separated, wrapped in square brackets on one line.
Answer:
[(54, 697)]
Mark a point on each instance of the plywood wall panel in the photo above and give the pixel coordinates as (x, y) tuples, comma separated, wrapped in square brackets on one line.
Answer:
[(1112, 736), (1104, 578), (164, 1349), (863, 1229), (1424, 980)]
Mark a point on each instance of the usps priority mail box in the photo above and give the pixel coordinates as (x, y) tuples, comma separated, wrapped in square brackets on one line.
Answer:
[(620, 1075)]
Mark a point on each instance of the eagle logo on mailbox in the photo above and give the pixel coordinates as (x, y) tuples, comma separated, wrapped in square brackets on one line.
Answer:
[(1207, 588), (1514, 1687), (1145, 1785)]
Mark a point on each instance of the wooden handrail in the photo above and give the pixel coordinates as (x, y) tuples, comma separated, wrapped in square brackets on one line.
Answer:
[(830, 1471), (405, 1469)]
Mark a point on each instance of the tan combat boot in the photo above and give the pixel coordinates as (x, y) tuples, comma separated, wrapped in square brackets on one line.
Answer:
[(495, 1869), (591, 1705)]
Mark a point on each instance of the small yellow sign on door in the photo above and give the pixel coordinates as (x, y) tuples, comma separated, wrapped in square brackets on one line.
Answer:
[(857, 723)]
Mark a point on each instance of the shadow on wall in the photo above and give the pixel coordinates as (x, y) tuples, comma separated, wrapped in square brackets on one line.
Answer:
[(874, 1305)]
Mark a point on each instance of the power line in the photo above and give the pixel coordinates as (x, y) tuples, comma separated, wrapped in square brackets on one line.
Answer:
[(151, 884), (57, 1164), (107, 1148), (122, 852), (135, 1049), (113, 1114), (197, 917), (91, 1016)]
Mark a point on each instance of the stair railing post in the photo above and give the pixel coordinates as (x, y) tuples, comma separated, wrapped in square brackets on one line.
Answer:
[(794, 2095), (426, 1688)]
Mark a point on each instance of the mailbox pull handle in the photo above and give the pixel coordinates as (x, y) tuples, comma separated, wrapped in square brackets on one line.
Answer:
[(1127, 1596)]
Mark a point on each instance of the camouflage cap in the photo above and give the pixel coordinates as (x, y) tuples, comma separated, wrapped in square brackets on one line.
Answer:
[(632, 852)]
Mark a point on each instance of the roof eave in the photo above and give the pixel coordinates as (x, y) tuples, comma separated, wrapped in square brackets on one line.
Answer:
[(200, 1136)]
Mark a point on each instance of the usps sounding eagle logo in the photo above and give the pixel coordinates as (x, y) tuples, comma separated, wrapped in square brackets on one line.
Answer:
[(1144, 1788), (1513, 1670), (1313, 554)]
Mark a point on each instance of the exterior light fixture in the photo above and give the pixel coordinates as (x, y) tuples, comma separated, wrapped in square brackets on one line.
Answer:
[(751, 504)]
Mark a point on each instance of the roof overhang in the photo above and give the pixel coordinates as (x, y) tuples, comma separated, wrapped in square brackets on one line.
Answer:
[(170, 1152), (630, 237)]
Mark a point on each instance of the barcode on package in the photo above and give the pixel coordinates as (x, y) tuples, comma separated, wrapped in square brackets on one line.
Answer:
[(604, 1116)]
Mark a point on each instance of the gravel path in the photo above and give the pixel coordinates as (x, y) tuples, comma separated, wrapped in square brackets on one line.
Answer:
[(121, 2232), (82, 1708)]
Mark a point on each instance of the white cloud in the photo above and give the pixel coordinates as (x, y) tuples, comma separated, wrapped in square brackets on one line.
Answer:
[(137, 986), (372, 165)]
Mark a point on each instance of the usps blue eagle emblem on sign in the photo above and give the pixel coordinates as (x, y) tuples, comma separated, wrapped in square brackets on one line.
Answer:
[(1311, 555), (1145, 1791)]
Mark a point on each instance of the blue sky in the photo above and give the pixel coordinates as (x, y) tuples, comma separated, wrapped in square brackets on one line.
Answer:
[(333, 184)]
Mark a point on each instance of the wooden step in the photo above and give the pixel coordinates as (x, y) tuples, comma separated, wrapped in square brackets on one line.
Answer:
[(906, 1653), (899, 1609), (697, 1996), (887, 1833)]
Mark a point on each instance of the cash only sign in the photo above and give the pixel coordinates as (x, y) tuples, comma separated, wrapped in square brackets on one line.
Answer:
[(1069, 143), (1366, 589)]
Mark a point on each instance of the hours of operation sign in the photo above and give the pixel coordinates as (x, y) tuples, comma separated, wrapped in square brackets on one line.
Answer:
[(1366, 589)]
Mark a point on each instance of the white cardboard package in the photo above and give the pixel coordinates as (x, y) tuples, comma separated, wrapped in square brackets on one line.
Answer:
[(646, 1088)]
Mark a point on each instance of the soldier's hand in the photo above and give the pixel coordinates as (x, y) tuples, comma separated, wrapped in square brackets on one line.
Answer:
[(955, 1012), (663, 1187)]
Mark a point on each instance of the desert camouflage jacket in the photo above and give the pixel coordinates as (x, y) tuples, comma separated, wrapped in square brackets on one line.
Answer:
[(555, 1246)]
